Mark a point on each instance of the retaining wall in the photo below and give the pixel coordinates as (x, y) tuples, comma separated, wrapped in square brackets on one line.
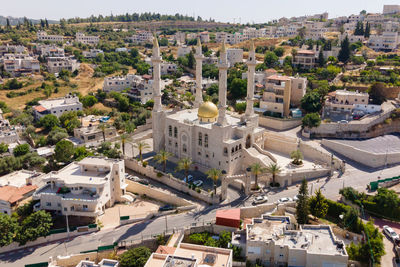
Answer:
[(277, 123)]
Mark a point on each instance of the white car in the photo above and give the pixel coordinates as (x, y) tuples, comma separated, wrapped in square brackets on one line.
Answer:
[(295, 198), (260, 200), (390, 232), (198, 183), (285, 199), (189, 179)]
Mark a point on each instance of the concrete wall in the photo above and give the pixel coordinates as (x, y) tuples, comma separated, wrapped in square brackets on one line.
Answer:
[(47, 239), (156, 193), (177, 184), (278, 124), (370, 159), (74, 260)]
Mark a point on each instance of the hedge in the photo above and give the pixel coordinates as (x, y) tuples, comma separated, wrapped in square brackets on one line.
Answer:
[(335, 208)]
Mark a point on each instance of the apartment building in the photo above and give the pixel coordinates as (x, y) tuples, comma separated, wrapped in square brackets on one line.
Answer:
[(391, 9), (180, 37), (229, 38), (165, 68), (8, 133), (305, 59), (250, 33), (84, 188), (282, 92), (272, 240), (92, 53), (352, 38), (387, 42), (56, 64), (43, 36), (94, 134), (234, 55), (183, 50), (20, 64), (12, 49), (57, 106), (50, 51), (191, 256), (315, 30), (86, 39), (141, 37)]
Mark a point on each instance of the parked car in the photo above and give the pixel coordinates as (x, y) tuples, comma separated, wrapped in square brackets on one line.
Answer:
[(259, 200), (295, 198), (198, 183), (285, 199), (143, 181), (356, 117), (166, 207), (387, 230), (343, 122), (189, 179)]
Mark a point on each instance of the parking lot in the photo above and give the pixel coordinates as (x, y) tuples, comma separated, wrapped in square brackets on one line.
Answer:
[(382, 144)]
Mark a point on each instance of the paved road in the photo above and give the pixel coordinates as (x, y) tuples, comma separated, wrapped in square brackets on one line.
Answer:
[(355, 176)]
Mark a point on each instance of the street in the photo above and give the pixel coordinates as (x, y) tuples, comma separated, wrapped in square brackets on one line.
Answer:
[(355, 176)]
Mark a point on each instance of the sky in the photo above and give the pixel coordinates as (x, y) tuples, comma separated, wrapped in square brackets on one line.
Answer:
[(244, 11)]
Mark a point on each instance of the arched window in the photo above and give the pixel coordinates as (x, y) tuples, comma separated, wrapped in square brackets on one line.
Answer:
[(233, 150), (176, 144), (170, 130), (175, 132), (184, 148), (200, 139), (225, 151), (236, 149), (206, 140), (240, 146)]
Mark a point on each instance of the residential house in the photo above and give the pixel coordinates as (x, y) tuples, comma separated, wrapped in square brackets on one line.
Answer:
[(86, 39), (388, 41), (305, 59), (43, 36), (84, 188), (56, 64), (20, 64), (141, 37), (234, 55), (391, 9), (183, 50), (94, 133), (12, 49), (92, 53), (11, 196), (57, 106)]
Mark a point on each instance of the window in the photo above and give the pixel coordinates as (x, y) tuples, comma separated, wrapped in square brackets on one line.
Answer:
[(240, 146), (48, 204), (233, 150), (200, 139), (199, 153), (184, 148), (65, 209), (175, 132), (225, 151), (85, 206), (72, 208), (59, 205), (300, 86), (206, 140), (176, 144), (169, 142)]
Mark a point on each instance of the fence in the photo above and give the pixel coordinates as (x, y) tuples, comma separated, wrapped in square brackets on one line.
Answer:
[(386, 182)]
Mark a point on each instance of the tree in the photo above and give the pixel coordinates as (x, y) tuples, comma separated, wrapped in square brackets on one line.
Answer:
[(318, 205), (256, 169), (279, 51), (81, 153), (49, 121), (367, 31), (214, 174), (302, 204), (88, 101), (162, 158), (311, 102), (56, 135), (135, 257), (21, 150), (185, 164), (297, 157), (124, 138), (141, 146), (238, 88), (273, 169), (321, 59), (3, 148), (377, 93), (311, 120), (344, 53), (64, 151), (270, 59), (8, 228), (191, 60), (103, 127), (35, 225)]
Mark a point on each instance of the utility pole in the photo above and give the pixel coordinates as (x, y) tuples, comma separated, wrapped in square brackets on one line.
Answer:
[(166, 224)]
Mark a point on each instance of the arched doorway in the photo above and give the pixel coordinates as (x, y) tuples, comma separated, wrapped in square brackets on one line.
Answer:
[(248, 141)]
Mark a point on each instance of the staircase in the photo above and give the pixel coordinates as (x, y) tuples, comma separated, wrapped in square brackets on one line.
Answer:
[(262, 158)]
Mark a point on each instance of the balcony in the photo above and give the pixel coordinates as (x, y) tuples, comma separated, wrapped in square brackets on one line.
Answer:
[(66, 195)]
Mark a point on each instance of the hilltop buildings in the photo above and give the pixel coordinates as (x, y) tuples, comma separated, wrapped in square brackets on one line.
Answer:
[(43, 36), (56, 64), (19, 64), (86, 39)]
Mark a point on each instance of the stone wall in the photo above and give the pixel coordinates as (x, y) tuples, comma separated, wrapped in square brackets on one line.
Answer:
[(277, 123), (369, 159), (177, 184), (156, 193)]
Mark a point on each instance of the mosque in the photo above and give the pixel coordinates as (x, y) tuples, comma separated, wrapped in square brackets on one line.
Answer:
[(206, 134)]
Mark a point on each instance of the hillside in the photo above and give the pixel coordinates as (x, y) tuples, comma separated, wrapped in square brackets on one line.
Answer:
[(15, 21)]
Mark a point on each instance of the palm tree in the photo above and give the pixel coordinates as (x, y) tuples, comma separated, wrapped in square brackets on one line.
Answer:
[(297, 157), (124, 138), (103, 127), (141, 146), (214, 174), (184, 164), (273, 169), (162, 157), (257, 169)]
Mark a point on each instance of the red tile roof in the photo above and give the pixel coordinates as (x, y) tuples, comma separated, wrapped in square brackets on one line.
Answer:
[(146, 77), (39, 108), (309, 52), (14, 194), (278, 78), (271, 70), (233, 214)]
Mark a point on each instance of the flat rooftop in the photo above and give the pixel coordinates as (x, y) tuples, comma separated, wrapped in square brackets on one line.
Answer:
[(56, 102), (345, 92), (316, 239), (267, 229), (17, 178), (381, 144)]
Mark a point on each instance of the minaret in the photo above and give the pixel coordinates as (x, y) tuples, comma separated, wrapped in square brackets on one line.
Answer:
[(251, 63), (223, 74), (199, 73), (156, 61), (158, 118)]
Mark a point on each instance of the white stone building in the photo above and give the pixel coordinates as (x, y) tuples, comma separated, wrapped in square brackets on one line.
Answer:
[(306, 59), (8, 133), (92, 53), (391, 9), (180, 37), (20, 64), (12, 49), (207, 134), (235, 55), (141, 37), (43, 36), (387, 42), (84, 188), (183, 50), (94, 133), (86, 39), (57, 106), (56, 64), (50, 51)]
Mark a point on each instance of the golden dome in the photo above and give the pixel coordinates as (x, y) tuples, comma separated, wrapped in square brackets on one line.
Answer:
[(207, 110)]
